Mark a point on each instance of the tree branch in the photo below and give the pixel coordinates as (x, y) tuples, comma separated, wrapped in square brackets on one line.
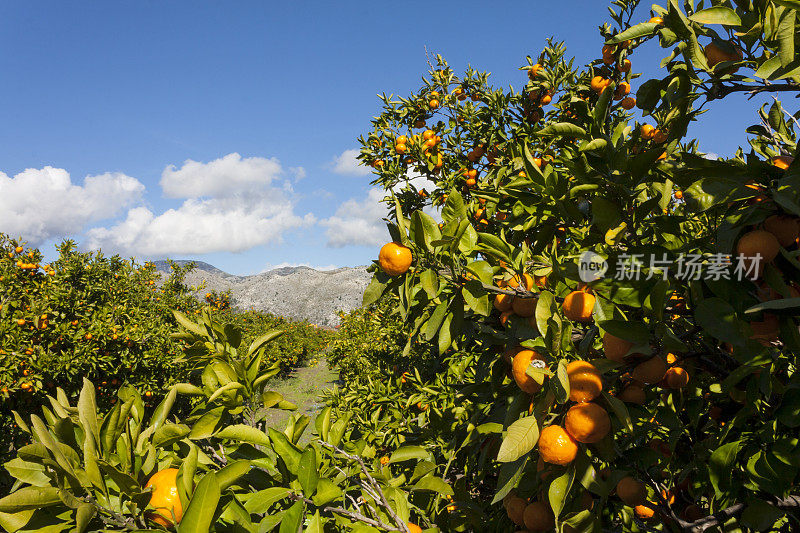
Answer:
[(698, 526), (349, 514)]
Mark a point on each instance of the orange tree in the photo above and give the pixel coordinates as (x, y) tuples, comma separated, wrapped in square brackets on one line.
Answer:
[(662, 394)]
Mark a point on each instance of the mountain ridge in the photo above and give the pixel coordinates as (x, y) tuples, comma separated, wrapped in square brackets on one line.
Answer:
[(298, 293)]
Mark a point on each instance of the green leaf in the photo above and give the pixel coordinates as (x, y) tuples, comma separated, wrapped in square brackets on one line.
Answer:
[(188, 324), (788, 413), (635, 332), (29, 498), (717, 15), (169, 434), (285, 450), (508, 477), (721, 466), (594, 144), (207, 424), (718, 318), (315, 525), (327, 491), (308, 476), (634, 32), (544, 311), (243, 433), (559, 490), (373, 291), (780, 303), (563, 129), (87, 411), (83, 515), (27, 472), (162, 410), (202, 507), (292, 518), (435, 484), (230, 473), (786, 36), (476, 297), (261, 501), (407, 453), (619, 408), (521, 437), (259, 342), (760, 515)]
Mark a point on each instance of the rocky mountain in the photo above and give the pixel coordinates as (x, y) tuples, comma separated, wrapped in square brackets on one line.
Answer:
[(300, 293)]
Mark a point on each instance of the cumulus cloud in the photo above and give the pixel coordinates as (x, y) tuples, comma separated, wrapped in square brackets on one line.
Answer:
[(358, 222), (40, 204), (232, 204), (347, 164), (225, 176)]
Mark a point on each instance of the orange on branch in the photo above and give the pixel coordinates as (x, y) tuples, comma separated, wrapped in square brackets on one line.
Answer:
[(631, 491), (650, 371), (578, 306), (556, 446), (394, 258), (584, 381), (538, 517), (587, 422), (520, 364), (164, 497)]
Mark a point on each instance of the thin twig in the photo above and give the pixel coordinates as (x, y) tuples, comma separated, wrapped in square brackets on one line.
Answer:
[(344, 512)]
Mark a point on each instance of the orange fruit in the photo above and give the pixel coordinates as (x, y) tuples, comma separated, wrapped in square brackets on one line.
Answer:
[(504, 316), (537, 516), (758, 242), (659, 137), (394, 258), (643, 512), (782, 162), (785, 229), (428, 134), (624, 66), (534, 70), (587, 422), (628, 103), (650, 371), (503, 302), (677, 378), (578, 306), (584, 381), (715, 55), (164, 497), (515, 509), (546, 99), (524, 307), (678, 194), (522, 360), (526, 280), (385, 460), (556, 446), (599, 83), (647, 131), (433, 104), (622, 90), (631, 491), (656, 20), (413, 528), (615, 348), (633, 394)]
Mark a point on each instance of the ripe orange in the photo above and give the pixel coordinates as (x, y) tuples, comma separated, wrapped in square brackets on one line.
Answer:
[(677, 377), (647, 131), (633, 394), (628, 103), (615, 348), (413, 528), (758, 242), (515, 508), (538, 517), (394, 258), (503, 302), (524, 307), (433, 104), (785, 229), (21, 322), (782, 162), (164, 497), (546, 99), (599, 83), (659, 137), (521, 361), (428, 134), (19, 249), (587, 422), (385, 460), (400, 148), (556, 446), (534, 70), (643, 512), (631, 491), (584, 381), (656, 20), (622, 90), (715, 55), (624, 66), (526, 280), (650, 371), (678, 195), (578, 306)]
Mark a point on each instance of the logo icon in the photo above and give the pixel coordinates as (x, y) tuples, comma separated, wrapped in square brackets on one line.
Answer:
[(591, 266)]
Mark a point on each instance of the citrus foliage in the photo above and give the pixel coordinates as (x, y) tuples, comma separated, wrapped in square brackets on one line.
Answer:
[(691, 388), (219, 468)]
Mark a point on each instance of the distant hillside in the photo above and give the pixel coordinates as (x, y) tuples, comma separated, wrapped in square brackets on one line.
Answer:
[(300, 293)]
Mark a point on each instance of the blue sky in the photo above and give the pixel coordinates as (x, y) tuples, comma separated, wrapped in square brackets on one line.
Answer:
[(128, 92)]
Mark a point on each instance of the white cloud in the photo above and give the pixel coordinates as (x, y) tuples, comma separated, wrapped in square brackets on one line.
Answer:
[(347, 164), (40, 204), (358, 222), (298, 173), (222, 177), (248, 206)]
